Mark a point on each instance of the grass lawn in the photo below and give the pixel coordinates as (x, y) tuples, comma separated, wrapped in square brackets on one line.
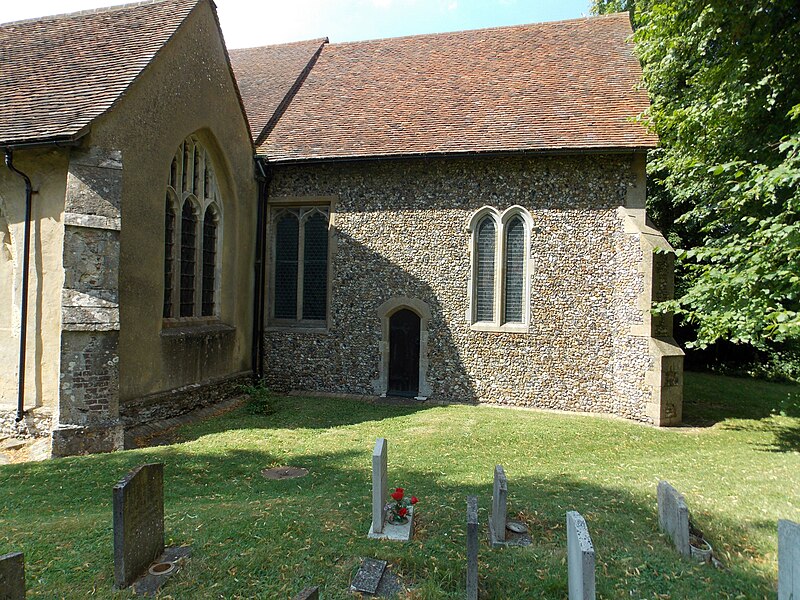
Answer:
[(737, 463)]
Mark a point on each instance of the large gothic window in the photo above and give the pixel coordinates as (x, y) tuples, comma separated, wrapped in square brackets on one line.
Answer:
[(500, 269), (192, 226), (300, 265)]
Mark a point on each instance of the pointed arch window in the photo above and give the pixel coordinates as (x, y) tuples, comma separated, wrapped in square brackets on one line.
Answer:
[(300, 265), (500, 287), (192, 232)]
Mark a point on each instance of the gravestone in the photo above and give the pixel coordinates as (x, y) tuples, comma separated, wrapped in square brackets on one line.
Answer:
[(368, 577), (497, 520), (311, 593), (379, 485), (673, 516), (12, 576), (580, 558), (472, 548), (788, 560), (138, 522)]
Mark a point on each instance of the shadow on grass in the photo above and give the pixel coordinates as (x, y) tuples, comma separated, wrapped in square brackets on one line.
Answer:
[(280, 536), (294, 412), (709, 399)]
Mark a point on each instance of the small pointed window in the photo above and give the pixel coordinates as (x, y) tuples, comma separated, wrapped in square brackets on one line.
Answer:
[(484, 277), (515, 271), (315, 267)]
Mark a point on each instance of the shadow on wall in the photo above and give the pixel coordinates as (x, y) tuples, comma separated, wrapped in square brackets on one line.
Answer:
[(353, 356)]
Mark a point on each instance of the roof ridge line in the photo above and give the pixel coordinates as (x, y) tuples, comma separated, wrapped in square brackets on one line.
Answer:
[(319, 40), (82, 13), (479, 29)]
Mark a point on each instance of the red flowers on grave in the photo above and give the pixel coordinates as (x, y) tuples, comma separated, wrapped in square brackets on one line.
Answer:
[(397, 512)]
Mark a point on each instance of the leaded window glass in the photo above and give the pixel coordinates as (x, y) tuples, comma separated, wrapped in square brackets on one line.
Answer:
[(287, 236), (315, 267), (192, 229), (209, 261), (300, 280), (485, 248), (515, 270), (188, 259), (169, 261)]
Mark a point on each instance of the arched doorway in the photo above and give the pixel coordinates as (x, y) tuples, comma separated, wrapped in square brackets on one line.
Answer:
[(404, 338)]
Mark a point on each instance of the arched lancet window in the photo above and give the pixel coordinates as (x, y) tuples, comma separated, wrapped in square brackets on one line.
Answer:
[(192, 231), (188, 258), (209, 261), (169, 253), (514, 284), (300, 265), (500, 274), (484, 272)]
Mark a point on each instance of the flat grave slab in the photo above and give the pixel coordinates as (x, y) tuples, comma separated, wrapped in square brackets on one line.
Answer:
[(311, 593), (397, 532), (376, 579)]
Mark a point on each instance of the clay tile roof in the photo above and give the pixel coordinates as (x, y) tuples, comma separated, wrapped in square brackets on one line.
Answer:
[(59, 73), (560, 86), (268, 76)]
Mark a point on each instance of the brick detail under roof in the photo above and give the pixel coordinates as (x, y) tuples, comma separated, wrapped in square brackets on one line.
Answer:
[(561, 86), (268, 76), (57, 74)]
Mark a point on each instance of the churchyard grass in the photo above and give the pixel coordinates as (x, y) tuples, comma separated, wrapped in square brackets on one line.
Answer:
[(737, 463)]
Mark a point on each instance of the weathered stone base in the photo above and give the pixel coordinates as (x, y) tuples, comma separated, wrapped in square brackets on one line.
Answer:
[(70, 440), (174, 403), (398, 533), (666, 382), (36, 423)]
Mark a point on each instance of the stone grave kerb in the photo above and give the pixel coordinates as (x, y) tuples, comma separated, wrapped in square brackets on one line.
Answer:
[(472, 548), (379, 484), (497, 520), (12, 576), (138, 522), (788, 560), (673, 516), (580, 558)]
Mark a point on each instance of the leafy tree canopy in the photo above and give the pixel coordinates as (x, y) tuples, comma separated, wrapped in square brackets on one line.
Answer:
[(724, 82)]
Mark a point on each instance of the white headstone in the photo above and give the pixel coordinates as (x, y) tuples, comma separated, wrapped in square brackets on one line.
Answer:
[(379, 485), (580, 558), (673, 516), (499, 506), (788, 560)]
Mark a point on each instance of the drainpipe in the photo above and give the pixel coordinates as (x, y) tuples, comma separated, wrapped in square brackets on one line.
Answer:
[(263, 176), (23, 329)]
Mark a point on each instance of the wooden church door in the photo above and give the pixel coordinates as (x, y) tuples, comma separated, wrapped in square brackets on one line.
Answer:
[(404, 326)]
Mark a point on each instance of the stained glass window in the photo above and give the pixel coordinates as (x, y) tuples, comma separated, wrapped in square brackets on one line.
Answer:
[(209, 261), (315, 267), (169, 261), (287, 235)]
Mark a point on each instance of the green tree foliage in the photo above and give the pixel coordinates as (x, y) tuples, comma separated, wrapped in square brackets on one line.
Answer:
[(724, 82)]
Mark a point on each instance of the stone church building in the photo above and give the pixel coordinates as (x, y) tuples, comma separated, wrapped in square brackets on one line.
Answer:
[(455, 217)]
